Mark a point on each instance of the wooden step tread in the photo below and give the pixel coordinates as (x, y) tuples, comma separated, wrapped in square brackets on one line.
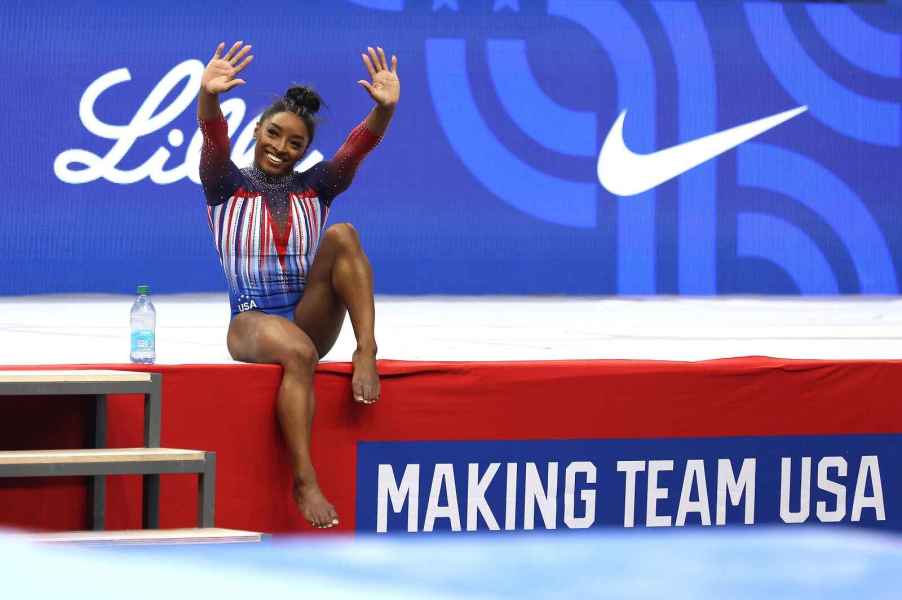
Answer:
[(205, 535), (86, 376), (98, 455)]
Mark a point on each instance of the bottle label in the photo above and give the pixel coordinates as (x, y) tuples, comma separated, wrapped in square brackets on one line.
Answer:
[(142, 340)]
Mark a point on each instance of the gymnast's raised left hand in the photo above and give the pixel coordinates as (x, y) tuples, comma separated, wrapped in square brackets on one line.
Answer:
[(385, 88)]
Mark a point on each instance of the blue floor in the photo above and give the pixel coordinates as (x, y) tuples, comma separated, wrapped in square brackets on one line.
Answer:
[(734, 564)]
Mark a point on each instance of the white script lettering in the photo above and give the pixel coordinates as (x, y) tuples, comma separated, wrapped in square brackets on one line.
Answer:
[(77, 165)]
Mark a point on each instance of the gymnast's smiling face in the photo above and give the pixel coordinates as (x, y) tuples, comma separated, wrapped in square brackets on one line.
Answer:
[(281, 140)]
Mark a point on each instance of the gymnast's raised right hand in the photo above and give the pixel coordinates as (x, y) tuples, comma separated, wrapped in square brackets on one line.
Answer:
[(219, 76)]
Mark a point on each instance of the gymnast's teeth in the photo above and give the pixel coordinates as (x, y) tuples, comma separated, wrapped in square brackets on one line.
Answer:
[(274, 158)]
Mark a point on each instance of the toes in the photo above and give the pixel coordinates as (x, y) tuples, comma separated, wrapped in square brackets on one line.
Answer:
[(331, 518), (357, 389), (366, 393), (324, 520), (325, 523)]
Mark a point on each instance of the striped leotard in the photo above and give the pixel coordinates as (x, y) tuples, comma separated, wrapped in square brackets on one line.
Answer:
[(267, 229)]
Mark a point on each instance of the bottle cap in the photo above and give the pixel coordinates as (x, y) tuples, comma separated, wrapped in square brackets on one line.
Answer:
[(143, 290)]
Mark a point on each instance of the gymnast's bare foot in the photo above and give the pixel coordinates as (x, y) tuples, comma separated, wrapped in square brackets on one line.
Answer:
[(318, 511), (365, 381)]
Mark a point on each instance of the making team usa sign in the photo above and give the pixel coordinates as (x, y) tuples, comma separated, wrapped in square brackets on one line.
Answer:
[(579, 484)]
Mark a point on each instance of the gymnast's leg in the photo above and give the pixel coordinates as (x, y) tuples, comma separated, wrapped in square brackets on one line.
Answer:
[(260, 338), (341, 280)]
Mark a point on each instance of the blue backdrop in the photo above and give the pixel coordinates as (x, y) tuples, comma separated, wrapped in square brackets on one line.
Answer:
[(487, 181)]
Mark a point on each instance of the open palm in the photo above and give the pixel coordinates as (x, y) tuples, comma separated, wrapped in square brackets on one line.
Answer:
[(221, 71), (385, 88)]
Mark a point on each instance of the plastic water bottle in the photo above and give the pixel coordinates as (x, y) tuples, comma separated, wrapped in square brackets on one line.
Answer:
[(143, 325)]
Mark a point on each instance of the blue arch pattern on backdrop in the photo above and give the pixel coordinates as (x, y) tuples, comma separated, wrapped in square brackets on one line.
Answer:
[(783, 244), (536, 193), (819, 190), (622, 39), (697, 102), (546, 122), (860, 43), (849, 113)]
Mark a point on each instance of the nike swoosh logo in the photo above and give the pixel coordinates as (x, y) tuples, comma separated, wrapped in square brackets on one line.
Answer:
[(625, 173)]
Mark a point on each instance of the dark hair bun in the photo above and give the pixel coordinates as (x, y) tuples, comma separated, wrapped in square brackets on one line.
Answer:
[(304, 97)]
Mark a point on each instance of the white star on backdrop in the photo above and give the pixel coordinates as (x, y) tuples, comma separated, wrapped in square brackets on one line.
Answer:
[(514, 5), (451, 4)]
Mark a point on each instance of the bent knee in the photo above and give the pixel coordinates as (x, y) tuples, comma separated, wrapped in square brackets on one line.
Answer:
[(294, 353), (344, 235), (301, 356)]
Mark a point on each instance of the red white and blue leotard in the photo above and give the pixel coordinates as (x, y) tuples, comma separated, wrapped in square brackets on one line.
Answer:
[(267, 229)]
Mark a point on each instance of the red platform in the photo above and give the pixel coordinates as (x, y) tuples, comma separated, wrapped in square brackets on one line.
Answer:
[(230, 409)]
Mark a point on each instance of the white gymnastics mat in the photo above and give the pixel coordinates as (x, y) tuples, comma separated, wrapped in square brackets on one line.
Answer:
[(83, 329)]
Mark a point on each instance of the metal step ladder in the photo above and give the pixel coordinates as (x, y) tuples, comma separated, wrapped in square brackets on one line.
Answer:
[(98, 462)]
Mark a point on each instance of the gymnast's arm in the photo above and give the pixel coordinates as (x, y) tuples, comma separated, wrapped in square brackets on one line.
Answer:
[(218, 174), (385, 90)]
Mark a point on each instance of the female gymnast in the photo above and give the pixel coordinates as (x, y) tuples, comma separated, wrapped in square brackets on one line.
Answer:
[(290, 279)]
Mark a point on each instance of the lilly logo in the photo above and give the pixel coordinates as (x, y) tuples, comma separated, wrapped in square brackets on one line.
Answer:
[(77, 165)]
